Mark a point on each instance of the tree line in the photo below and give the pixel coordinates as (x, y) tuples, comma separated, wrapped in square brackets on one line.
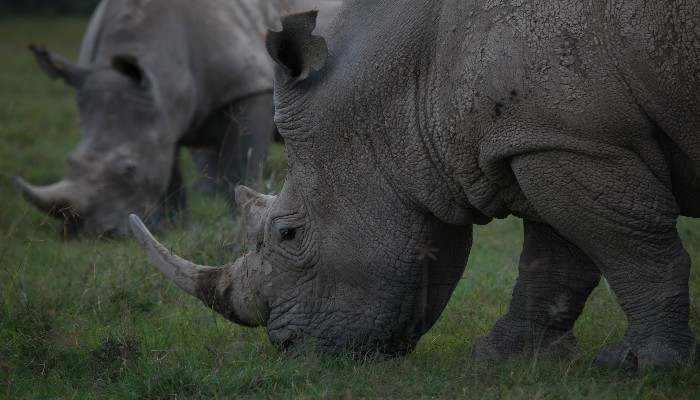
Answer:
[(48, 6)]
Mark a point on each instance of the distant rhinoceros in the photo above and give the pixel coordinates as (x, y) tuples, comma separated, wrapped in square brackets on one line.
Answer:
[(424, 118), (155, 75)]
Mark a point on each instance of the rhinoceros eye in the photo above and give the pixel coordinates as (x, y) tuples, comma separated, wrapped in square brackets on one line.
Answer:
[(287, 234)]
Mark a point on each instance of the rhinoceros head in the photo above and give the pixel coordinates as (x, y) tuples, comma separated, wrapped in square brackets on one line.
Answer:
[(339, 258), (124, 160)]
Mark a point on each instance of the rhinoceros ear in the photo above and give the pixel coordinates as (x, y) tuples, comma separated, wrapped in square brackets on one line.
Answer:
[(129, 66), (57, 67), (295, 49)]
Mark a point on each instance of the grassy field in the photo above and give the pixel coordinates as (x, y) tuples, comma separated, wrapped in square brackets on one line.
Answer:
[(92, 319)]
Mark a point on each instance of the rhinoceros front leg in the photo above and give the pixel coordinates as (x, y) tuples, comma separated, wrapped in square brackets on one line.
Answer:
[(244, 147), (175, 197), (206, 160), (623, 217), (554, 280)]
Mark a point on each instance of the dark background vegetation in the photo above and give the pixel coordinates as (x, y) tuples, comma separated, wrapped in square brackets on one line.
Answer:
[(64, 7)]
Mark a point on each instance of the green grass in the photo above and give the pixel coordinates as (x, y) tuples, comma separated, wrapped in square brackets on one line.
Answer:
[(92, 319)]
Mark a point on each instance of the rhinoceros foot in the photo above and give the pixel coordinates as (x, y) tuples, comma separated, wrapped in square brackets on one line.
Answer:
[(510, 340), (652, 353)]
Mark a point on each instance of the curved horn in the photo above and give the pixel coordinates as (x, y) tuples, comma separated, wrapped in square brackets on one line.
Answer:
[(57, 67), (226, 290), (185, 274), (58, 200)]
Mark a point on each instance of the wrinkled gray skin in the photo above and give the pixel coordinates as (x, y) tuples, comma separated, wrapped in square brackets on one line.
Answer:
[(153, 76), (429, 117)]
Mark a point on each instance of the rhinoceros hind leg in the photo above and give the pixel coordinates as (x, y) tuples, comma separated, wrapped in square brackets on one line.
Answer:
[(618, 212), (555, 279)]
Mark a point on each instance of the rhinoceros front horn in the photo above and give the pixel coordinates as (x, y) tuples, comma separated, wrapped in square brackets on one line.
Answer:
[(59, 200), (228, 291), (185, 274)]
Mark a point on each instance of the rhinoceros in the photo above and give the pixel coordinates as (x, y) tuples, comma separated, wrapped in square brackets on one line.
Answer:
[(417, 120), (154, 76)]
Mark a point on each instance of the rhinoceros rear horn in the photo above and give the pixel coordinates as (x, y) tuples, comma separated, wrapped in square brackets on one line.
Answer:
[(57, 67), (245, 196), (248, 200), (58, 200), (295, 49)]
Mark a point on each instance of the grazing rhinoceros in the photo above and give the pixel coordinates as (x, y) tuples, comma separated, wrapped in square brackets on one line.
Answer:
[(155, 75), (424, 118)]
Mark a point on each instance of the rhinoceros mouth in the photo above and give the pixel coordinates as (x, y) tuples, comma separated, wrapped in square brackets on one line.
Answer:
[(291, 331), (360, 346)]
